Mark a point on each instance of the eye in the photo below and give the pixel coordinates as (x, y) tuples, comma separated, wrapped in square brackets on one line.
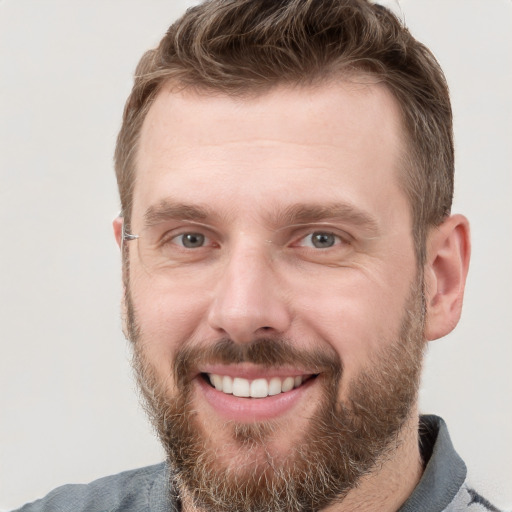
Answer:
[(190, 240), (320, 240)]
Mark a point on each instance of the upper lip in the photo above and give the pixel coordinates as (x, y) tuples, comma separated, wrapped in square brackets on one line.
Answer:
[(251, 372)]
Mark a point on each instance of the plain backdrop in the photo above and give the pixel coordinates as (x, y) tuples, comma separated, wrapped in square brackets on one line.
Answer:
[(68, 407)]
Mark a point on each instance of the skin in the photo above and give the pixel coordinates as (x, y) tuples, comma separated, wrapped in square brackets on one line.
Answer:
[(247, 162)]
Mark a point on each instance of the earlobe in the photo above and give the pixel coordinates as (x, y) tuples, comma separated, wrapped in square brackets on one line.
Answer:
[(446, 268), (117, 224)]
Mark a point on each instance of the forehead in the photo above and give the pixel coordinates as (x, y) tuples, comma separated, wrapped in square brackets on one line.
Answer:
[(290, 144)]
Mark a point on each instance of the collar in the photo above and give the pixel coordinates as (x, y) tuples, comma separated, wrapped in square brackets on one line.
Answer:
[(444, 473)]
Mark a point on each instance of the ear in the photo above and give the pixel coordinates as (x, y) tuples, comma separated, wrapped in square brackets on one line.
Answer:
[(446, 268), (117, 224)]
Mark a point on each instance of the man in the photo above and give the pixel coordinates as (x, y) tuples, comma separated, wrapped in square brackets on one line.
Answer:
[(286, 175)]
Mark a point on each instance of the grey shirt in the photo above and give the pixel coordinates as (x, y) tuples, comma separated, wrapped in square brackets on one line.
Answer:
[(442, 488)]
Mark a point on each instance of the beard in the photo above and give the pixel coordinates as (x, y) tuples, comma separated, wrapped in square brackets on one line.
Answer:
[(344, 439)]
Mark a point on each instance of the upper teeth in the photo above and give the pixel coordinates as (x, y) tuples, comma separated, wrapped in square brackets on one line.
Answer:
[(258, 388)]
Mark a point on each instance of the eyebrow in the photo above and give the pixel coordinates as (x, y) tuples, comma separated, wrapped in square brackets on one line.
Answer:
[(345, 212), (168, 209)]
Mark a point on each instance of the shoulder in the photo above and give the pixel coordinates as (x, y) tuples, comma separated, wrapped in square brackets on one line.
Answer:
[(140, 490), (470, 500)]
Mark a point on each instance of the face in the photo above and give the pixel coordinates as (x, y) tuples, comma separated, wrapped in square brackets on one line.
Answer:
[(272, 294)]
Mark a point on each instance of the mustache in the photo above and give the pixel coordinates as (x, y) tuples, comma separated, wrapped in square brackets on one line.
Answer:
[(265, 352)]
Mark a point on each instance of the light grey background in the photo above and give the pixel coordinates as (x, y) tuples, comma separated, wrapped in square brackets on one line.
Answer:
[(68, 411)]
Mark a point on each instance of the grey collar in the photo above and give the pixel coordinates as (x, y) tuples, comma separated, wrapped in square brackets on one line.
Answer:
[(444, 473)]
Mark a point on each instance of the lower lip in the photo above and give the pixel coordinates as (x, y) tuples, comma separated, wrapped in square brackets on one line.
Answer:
[(247, 410)]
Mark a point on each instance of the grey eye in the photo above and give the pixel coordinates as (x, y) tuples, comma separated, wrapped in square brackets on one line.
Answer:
[(322, 240), (192, 240)]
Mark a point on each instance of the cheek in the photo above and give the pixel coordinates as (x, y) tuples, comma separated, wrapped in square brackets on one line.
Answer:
[(167, 315), (354, 313)]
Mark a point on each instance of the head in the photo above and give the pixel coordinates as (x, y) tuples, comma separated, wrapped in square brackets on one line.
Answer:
[(249, 47), (288, 168)]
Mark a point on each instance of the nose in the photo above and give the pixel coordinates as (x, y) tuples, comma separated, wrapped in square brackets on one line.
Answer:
[(249, 300)]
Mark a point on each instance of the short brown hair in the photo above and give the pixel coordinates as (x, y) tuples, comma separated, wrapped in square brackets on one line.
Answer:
[(242, 47)]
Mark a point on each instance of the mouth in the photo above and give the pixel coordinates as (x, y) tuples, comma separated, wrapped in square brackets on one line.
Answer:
[(250, 393), (256, 388)]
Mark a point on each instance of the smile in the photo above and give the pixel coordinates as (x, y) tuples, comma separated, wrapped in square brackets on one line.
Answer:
[(247, 393), (257, 388)]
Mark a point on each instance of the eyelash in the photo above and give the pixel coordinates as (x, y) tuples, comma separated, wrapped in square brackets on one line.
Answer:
[(172, 237), (338, 239), (190, 233)]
